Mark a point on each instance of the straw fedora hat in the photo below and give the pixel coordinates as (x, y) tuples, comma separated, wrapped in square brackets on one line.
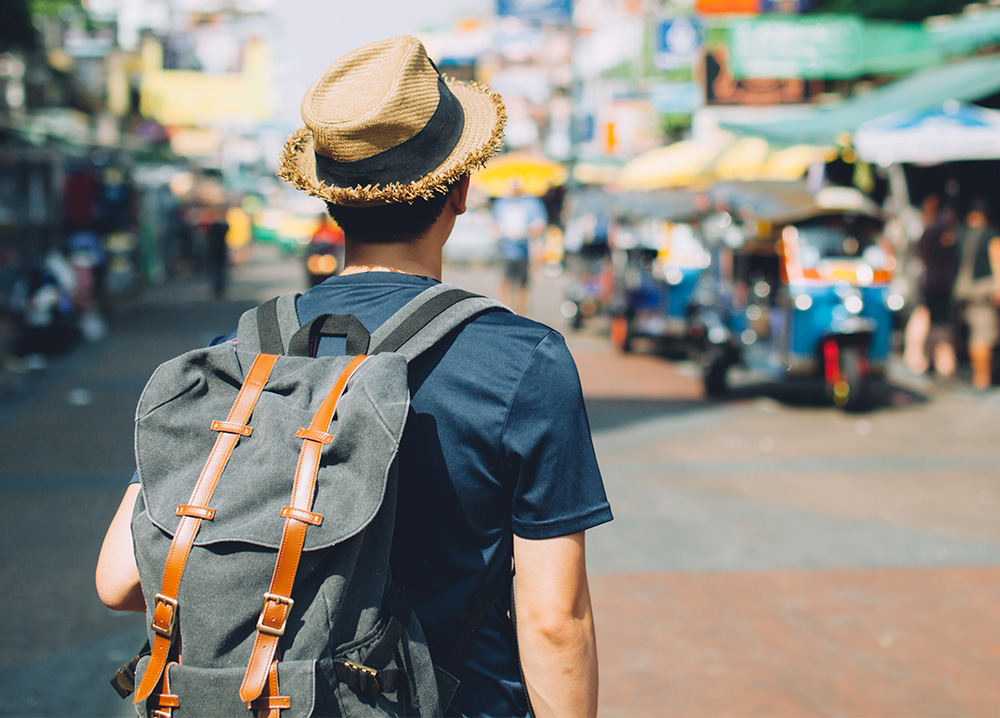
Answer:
[(383, 126)]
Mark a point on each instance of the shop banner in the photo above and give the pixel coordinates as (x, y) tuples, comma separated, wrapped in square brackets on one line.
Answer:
[(551, 10), (722, 88), (826, 47), (793, 47), (727, 7)]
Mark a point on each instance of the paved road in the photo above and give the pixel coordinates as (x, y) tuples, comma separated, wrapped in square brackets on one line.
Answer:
[(770, 556)]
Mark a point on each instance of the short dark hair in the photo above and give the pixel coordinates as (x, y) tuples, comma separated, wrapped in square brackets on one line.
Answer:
[(389, 223)]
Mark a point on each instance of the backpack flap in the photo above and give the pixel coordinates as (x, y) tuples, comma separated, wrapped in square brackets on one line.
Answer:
[(207, 692), (174, 439)]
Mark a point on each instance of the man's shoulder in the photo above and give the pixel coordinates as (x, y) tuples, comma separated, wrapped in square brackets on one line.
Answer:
[(508, 325)]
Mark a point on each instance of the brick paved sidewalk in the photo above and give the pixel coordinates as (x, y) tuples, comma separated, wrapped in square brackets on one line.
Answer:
[(782, 561)]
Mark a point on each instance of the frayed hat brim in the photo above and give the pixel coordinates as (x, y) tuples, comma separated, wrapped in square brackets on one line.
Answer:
[(481, 139)]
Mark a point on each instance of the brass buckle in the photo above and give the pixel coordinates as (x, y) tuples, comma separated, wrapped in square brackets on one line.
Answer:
[(365, 672), (280, 630), (167, 631)]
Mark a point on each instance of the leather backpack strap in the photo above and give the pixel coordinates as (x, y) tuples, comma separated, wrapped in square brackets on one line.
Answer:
[(164, 611), (271, 703), (166, 701), (298, 516)]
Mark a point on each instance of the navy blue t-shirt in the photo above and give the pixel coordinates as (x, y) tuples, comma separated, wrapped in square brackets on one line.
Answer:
[(496, 443)]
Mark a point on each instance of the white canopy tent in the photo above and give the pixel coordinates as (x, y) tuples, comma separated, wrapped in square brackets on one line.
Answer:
[(949, 132)]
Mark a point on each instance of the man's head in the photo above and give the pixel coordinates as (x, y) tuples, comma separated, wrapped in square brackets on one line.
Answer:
[(387, 139), (978, 213)]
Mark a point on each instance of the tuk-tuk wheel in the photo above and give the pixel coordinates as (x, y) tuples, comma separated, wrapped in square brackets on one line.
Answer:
[(715, 367), (852, 391), (621, 333)]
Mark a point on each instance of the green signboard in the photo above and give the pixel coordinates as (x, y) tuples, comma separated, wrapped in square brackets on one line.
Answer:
[(825, 47)]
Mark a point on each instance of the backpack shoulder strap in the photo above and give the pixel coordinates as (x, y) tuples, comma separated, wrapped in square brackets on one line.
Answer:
[(267, 328), (428, 317)]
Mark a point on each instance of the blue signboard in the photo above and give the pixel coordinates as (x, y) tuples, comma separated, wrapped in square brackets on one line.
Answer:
[(551, 10), (675, 97), (798, 6), (677, 42)]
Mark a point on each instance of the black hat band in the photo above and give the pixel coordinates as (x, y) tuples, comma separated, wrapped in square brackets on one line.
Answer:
[(407, 161)]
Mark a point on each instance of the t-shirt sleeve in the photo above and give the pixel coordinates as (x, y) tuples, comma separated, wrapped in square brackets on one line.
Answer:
[(547, 446)]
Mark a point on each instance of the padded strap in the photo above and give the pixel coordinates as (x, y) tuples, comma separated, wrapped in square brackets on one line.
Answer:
[(164, 610), (267, 328), (277, 601), (428, 317)]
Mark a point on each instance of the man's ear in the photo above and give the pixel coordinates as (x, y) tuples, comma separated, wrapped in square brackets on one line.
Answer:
[(459, 195)]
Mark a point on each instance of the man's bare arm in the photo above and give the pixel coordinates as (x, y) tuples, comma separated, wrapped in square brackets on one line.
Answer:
[(994, 254), (117, 577), (555, 626)]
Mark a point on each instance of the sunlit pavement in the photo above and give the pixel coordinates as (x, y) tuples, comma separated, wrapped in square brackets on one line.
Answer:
[(770, 556), (785, 559)]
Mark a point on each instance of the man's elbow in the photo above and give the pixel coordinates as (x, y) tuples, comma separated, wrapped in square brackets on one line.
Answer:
[(110, 594), (118, 592), (570, 633)]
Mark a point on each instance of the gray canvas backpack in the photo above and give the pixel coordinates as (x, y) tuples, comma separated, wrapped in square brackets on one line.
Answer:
[(264, 523)]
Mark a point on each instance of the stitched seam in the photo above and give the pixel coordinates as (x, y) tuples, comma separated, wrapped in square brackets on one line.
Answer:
[(513, 396), (381, 418), (563, 521)]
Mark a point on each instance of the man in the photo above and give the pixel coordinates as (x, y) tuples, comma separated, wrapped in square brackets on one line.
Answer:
[(217, 251), (325, 256), (518, 219), (496, 460), (928, 335), (977, 289)]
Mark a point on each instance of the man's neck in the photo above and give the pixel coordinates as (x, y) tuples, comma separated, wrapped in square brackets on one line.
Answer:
[(403, 258), (421, 256)]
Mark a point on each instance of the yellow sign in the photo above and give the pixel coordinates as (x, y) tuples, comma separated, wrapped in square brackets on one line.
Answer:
[(185, 97)]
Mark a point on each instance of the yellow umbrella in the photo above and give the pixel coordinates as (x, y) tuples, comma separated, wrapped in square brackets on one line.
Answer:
[(792, 163), (743, 160), (677, 165), (596, 173), (537, 174)]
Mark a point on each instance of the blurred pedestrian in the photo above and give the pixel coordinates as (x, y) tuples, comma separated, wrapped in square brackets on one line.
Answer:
[(88, 258), (977, 289), (929, 339), (42, 304), (325, 255), (217, 252), (518, 220)]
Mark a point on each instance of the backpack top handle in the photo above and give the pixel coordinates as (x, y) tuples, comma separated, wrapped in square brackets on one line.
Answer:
[(306, 340)]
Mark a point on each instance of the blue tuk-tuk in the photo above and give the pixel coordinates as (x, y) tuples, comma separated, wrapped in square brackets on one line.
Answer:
[(587, 255), (806, 294), (659, 257)]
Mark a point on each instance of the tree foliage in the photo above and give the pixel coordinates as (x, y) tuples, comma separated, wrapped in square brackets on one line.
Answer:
[(908, 10)]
